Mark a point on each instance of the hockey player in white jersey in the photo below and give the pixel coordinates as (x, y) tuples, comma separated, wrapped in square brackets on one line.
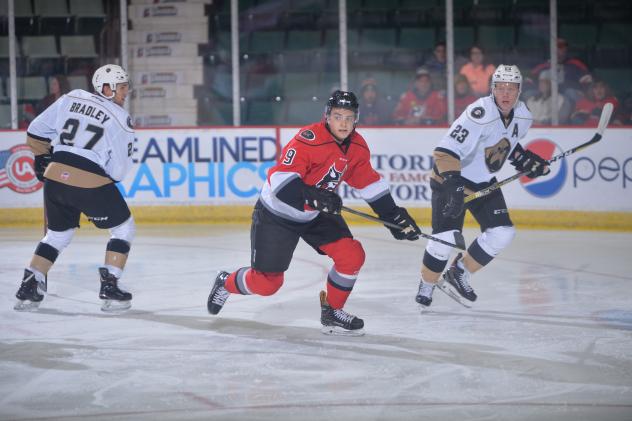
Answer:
[(82, 145), (473, 150)]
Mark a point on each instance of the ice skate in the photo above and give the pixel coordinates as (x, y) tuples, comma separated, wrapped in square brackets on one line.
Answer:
[(424, 295), (338, 321), (458, 277), (114, 299), (218, 296), (30, 294)]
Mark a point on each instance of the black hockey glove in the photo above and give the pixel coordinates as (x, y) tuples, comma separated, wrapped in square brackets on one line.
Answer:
[(452, 191), (525, 160), (322, 200), (409, 231), (41, 162)]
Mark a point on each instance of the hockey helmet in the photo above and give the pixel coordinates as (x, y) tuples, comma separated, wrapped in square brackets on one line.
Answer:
[(111, 75), (507, 73), (343, 99)]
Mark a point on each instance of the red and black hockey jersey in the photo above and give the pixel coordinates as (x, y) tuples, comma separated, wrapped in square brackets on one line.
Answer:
[(315, 158)]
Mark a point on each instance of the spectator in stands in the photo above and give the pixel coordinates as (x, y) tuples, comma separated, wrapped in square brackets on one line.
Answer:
[(462, 94), (421, 105), (478, 72), (375, 111), (436, 65), (58, 86), (573, 75), (588, 109), (541, 104), (624, 116)]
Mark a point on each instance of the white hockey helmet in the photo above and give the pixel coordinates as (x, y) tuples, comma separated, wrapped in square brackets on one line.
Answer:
[(507, 73), (111, 75)]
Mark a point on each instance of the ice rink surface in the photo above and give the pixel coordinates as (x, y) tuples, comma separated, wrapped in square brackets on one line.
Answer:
[(550, 337)]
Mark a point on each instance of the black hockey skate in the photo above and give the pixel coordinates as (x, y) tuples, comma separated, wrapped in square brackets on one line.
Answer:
[(338, 321), (458, 278), (29, 295), (218, 296), (424, 295), (114, 299)]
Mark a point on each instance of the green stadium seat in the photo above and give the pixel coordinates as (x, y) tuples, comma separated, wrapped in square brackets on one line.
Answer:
[(300, 85), (263, 85), (302, 112), (266, 41), (78, 82), (77, 46), (494, 38), (464, 37), (4, 48), (329, 81), (332, 39), (379, 39), (40, 46), (615, 35), (533, 37), (264, 113), (417, 38), (31, 88), (303, 40), (579, 35)]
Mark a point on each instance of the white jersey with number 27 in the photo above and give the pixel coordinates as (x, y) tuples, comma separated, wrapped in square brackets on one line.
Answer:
[(482, 141), (90, 126)]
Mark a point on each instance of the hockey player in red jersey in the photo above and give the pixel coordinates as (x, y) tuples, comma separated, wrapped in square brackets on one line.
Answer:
[(299, 200)]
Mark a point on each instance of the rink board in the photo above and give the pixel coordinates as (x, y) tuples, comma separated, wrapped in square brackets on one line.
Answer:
[(214, 175)]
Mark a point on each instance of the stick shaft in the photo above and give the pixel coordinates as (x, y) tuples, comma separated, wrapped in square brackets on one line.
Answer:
[(604, 119), (395, 226), (487, 190)]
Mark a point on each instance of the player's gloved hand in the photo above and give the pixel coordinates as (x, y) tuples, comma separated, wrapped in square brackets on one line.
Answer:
[(525, 160), (322, 200), (409, 229), (41, 162), (452, 190)]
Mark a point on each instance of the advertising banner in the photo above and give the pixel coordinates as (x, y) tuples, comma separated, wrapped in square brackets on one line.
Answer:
[(228, 166)]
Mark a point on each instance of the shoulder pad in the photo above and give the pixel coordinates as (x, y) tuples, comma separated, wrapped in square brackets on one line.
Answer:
[(522, 111), (312, 134), (307, 134), (481, 111)]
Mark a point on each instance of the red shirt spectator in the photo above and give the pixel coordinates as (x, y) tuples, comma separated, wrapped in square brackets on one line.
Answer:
[(421, 105), (588, 109), (462, 95)]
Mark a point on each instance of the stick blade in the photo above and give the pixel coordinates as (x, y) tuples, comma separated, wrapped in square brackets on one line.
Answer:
[(606, 113), (459, 240)]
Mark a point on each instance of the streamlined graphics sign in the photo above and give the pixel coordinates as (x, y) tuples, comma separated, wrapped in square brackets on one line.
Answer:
[(228, 166), (200, 166)]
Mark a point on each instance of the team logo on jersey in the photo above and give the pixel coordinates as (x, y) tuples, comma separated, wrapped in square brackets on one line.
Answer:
[(308, 135), (17, 170), (496, 155), (550, 184), (331, 180), (478, 112)]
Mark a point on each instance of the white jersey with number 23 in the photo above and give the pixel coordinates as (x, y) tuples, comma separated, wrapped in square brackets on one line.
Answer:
[(482, 141)]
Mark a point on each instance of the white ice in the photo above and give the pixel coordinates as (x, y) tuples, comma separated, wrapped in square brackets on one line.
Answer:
[(550, 337)]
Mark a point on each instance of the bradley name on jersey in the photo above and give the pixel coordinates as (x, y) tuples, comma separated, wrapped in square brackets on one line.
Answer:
[(482, 140), (90, 111)]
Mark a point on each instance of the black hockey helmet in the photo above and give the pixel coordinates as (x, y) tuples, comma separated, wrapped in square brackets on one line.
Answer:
[(343, 99)]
